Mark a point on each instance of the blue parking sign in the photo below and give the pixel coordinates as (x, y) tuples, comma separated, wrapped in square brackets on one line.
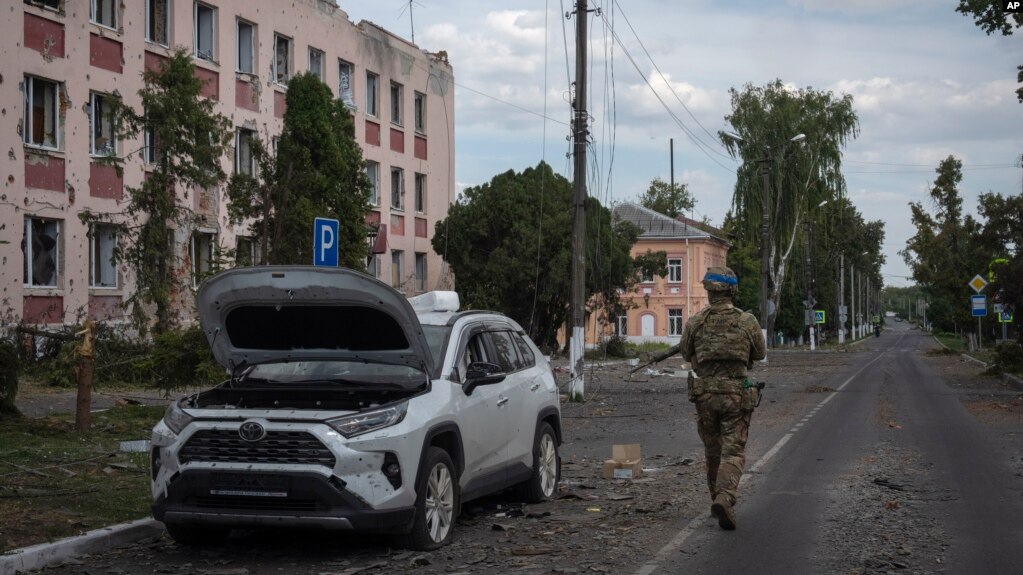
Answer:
[(325, 240)]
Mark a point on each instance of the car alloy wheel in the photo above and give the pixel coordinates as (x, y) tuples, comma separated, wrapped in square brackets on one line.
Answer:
[(440, 502), (543, 482), (548, 465), (437, 501)]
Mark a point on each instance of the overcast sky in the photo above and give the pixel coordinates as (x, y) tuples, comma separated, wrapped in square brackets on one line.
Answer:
[(926, 83)]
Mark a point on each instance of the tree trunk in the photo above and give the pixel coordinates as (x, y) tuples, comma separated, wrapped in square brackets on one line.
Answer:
[(8, 379), (86, 366)]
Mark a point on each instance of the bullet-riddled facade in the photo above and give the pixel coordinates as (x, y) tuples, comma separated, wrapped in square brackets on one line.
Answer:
[(66, 60)]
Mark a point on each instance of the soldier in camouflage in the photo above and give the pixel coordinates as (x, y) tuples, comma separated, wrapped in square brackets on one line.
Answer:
[(722, 342)]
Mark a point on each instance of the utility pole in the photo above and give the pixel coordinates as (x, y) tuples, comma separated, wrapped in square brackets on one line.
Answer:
[(808, 313), (841, 299), (671, 152), (765, 238), (580, 132)]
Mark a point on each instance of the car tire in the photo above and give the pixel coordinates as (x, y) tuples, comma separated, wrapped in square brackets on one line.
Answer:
[(194, 535), (437, 501), (542, 484)]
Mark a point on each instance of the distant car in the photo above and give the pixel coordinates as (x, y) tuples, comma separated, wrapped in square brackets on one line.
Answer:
[(897, 318), (351, 407)]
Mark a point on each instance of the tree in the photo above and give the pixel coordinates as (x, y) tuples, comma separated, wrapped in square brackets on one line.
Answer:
[(943, 254), (318, 171), (991, 17), (672, 200), (800, 175), (509, 245), (190, 138), (1002, 238)]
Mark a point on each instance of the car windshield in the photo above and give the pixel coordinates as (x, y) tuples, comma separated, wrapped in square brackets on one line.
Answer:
[(335, 372), (436, 335)]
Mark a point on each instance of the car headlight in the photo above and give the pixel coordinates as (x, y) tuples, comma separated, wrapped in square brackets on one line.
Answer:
[(176, 418), (360, 423)]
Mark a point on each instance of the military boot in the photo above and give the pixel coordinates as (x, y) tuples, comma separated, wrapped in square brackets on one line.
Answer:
[(722, 510)]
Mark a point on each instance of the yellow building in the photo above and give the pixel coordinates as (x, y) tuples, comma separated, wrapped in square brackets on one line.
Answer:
[(658, 308)]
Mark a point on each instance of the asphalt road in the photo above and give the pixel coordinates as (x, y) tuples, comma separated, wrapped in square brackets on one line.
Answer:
[(891, 463)]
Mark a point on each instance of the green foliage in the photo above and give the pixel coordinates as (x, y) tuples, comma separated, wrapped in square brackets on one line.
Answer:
[(10, 361), (614, 346), (1008, 358), (190, 140), (1002, 240), (172, 359), (946, 252), (800, 175), (509, 244), (663, 198), (318, 172)]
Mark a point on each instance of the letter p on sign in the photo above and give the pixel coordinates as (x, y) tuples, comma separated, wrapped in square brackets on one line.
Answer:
[(325, 248)]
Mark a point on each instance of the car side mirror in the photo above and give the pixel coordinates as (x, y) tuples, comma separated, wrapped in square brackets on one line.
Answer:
[(481, 373)]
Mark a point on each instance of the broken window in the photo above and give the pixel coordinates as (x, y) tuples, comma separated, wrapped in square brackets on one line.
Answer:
[(420, 112), (244, 162), (316, 62), (42, 118), (205, 31), (344, 83), (157, 22), (104, 13), (245, 253), (246, 41), (397, 189), (674, 322), (373, 173), (102, 266), (282, 59), (420, 272), (372, 85), (51, 4), (102, 138), (41, 248), (203, 244), (397, 110), (396, 260), (674, 270), (421, 193)]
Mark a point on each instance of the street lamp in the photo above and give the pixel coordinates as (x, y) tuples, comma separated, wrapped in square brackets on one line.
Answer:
[(808, 313), (765, 273)]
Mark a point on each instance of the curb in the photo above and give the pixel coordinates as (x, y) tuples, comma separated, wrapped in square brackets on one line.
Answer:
[(89, 543)]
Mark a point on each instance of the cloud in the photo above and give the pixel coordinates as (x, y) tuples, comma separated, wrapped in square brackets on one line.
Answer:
[(856, 6)]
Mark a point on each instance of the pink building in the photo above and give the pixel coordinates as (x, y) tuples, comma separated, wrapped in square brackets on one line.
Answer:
[(65, 60)]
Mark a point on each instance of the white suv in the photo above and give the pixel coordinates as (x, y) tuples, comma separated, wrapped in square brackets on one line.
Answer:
[(351, 407)]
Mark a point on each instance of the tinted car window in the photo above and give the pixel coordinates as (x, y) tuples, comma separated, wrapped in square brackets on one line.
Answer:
[(525, 352), (507, 357)]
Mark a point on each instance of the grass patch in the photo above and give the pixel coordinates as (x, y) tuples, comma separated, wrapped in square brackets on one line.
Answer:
[(56, 482), (951, 341)]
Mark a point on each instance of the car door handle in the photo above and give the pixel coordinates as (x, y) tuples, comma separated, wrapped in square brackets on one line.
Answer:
[(534, 387), (502, 401)]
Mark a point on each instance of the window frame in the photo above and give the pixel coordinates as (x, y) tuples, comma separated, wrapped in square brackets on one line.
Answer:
[(322, 71), (96, 101), (675, 316), (622, 325), (372, 94), (28, 124), (398, 186), (94, 12), (238, 44), (196, 262), (420, 193), (672, 267), (46, 5), (419, 111), (373, 265), (397, 263), (342, 92), (240, 134), (420, 280), (149, 33), (373, 174), (114, 234), (252, 251), (27, 252), (290, 60), (397, 100), (196, 36)]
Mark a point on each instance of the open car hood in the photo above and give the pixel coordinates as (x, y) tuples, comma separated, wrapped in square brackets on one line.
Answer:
[(293, 313)]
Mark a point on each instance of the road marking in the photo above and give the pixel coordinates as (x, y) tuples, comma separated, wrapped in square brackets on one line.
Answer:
[(676, 543)]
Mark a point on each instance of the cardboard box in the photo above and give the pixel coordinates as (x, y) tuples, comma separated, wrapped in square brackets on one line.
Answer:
[(624, 463)]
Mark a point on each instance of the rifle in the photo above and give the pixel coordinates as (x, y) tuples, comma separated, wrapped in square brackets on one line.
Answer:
[(656, 359)]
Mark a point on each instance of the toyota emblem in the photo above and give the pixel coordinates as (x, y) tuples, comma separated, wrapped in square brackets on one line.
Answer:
[(251, 431)]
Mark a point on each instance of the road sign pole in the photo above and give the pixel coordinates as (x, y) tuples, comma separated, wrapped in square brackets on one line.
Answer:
[(980, 336)]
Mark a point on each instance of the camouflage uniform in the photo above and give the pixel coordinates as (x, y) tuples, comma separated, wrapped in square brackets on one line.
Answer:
[(722, 342)]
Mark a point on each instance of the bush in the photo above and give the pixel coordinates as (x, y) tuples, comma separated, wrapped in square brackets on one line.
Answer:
[(182, 358), (1008, 358)]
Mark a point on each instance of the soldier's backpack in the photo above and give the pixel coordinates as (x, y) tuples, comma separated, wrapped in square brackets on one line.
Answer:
[(720, 337)]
